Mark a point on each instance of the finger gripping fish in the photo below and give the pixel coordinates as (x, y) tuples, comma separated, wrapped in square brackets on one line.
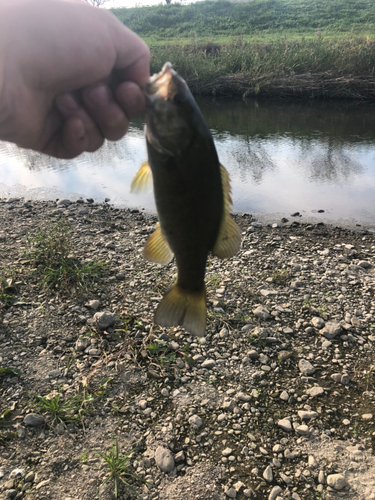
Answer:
[(192, 196)]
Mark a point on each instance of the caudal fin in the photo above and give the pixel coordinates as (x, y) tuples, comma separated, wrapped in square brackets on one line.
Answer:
[(182, 308)]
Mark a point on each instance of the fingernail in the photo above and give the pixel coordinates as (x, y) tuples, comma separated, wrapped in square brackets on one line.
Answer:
[(67, 102), (99, 96)]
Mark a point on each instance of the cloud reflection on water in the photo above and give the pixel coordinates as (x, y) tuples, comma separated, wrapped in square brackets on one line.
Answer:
[(283, 171)]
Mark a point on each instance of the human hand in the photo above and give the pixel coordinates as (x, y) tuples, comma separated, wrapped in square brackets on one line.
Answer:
[(70, 76)]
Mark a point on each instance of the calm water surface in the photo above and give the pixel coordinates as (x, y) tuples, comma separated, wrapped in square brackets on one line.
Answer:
[(283, 157)]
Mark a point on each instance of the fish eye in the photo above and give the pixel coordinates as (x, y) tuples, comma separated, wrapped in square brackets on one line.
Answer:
[(178, 99)]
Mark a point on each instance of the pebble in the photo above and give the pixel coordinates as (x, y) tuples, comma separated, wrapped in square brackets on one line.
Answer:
[(262, 313), (285, 425), (318, 323), (315, 391), (367, 416), (331, 329), (268, 474), (276, 490), (337, 481), (105, 319), (164, 459), (284, 396), (195, 421), (231, 493), (305, 367), (226, 452), (33, 420), (209, 363), (307, 414)]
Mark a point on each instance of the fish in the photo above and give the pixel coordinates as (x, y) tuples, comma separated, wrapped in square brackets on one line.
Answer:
[(192, 196)]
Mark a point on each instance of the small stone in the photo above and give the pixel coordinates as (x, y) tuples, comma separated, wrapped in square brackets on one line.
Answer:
[(284, 396), (315, 391), (209, 363), (164, 459), (164, 392), (318, 323), (228, 404), (253, 354), (337, 481), (179, 457), (105, 319), (312, 462), (276, 490), (11, 493), (248, 493), (336, 377), (321, 477), (195, 421), (142, 404), (331, 330), (33, 419), (285, 425), (367, 416), (231, 493), (345, 379), (54, 374), (226, 452), (238, 486), (346, 421), (82, 344), (268, 474), (261, 312), (305, 367), (93, 304), (307, 414), (302, 430)]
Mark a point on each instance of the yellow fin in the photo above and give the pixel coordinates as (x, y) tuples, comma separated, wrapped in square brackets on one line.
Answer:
[(142, 180), (229, 237), (157, 249), (182, 308)]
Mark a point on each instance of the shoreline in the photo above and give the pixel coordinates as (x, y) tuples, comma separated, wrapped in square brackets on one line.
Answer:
[(276, 399)]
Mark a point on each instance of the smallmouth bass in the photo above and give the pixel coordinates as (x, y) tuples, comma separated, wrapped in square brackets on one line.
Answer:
[(192, 197)]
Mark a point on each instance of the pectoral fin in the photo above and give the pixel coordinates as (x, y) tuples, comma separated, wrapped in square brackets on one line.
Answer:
[(157, 249), (180, 307), (142, 180), (229, 237)]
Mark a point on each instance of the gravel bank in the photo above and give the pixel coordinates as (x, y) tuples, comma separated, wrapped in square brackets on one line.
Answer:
[(276, 402)]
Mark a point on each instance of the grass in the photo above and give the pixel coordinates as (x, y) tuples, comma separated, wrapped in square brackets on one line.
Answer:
[(263, 47), (65, 410), (258, 17), (49, 252), (117, 467)]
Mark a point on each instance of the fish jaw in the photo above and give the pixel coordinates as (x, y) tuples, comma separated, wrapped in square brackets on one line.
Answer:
[(168, 112)]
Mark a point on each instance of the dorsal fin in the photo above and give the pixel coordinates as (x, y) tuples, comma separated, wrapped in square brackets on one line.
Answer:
[(229, 238), (142, 180), (157, 248)]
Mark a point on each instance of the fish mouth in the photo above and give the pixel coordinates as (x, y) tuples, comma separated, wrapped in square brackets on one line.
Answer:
[(159, 85)]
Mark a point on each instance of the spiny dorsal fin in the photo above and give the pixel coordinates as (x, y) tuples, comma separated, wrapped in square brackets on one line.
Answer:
[(229, 237), (142, 180), (180, 307), (157, 249)]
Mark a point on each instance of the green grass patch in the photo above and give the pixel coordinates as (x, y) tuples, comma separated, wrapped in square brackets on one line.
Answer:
[(257, 17), (49, 252), (66, 410), (118, 470)]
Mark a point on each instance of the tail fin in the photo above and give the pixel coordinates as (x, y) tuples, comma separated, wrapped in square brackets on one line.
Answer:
[(182, 308)]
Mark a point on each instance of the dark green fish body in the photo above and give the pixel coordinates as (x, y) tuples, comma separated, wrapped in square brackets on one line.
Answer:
[(192, 197)]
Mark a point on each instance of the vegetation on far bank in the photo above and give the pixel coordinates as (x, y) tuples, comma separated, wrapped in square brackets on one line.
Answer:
[(211, 19), (264, 47)]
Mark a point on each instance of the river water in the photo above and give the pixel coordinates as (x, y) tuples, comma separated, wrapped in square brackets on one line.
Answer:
[(283, 157)]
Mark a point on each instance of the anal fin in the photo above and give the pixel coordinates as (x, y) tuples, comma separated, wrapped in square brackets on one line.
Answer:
[(142, 180), (180, 307), (157, 248)]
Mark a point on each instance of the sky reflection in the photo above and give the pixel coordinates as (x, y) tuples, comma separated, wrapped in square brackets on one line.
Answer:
[(276, 173)]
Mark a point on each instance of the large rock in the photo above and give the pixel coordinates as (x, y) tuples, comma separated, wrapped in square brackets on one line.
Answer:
[(164, 459)]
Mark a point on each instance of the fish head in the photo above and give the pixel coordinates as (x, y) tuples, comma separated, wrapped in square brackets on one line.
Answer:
[(170, 109)]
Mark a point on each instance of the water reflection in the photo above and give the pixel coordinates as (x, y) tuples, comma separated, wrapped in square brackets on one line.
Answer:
[(282, 157)]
